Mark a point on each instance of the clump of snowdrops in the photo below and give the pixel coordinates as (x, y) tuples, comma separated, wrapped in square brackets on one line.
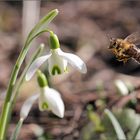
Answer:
[(48, 98)]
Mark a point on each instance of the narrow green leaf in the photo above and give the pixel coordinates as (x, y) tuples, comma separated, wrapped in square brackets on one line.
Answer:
[(36, 54), (37, 30), (136, 135), (116, 125), (17, 130), (42, 24)]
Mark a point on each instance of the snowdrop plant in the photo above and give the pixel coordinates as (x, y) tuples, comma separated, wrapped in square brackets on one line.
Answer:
[(120, 133), (57, 60), (48, 98), (14, 84)]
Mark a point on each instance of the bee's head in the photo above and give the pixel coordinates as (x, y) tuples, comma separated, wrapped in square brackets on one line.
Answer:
[(113, 43)]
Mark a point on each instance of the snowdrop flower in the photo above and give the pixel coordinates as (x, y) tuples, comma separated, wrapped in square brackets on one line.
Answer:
[(57, 60), (48, 99)]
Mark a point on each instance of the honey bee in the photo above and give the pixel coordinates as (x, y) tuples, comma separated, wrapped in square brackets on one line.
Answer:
[(124, 49)]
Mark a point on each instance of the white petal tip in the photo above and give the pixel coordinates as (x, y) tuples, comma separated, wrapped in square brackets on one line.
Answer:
[(59, 111), (84, 69), (42, 45), (56, 10), (60, 115), (26, 78)]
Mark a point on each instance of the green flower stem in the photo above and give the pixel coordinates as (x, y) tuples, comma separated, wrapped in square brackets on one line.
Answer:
[(6, 112), (136, 133), (119, 131), (17, 130), (7, 109), (21, 79)]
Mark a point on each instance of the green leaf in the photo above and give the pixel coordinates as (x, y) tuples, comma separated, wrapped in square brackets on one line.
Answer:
[(136, 135), (7, 107), (129, 121), (94, 117), (42, 25), (115, 123), (17, 130)]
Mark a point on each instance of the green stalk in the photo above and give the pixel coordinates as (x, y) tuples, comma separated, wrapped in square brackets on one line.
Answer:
[(21, 79), (7, 109), (136, 133), (116, 125), (17, 87), (17, 130), (7, 104)]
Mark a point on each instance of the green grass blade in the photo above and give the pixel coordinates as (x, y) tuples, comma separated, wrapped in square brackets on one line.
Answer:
[(136, 135), (116, 125), (42, 24), (17, 130), (37, 30)]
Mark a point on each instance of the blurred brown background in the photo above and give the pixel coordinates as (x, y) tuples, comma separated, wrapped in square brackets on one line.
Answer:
[(84, 28)]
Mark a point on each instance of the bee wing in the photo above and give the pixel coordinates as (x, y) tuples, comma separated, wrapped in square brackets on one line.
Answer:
[(134, 38)]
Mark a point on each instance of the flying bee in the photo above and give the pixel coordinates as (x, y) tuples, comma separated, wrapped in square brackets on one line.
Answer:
[(124, 49)]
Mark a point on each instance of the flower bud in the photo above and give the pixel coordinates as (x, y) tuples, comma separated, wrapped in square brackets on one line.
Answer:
[(53, 41), (41, 78)]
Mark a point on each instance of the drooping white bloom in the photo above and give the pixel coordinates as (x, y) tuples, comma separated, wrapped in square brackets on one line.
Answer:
[(57, 63), (48, 99), (26, 107), (57, 60), (51, 99), (121, 87)]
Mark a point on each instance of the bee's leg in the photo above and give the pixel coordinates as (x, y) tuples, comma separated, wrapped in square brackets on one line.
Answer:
[(120, 58), (115, 51), (123, 58), (126, 58)]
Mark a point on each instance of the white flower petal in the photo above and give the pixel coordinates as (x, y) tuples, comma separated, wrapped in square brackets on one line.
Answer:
[(74, 60), (26, 107), (35, 65), (43, 105), (54, 101), (57, 65), (122, 88)]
